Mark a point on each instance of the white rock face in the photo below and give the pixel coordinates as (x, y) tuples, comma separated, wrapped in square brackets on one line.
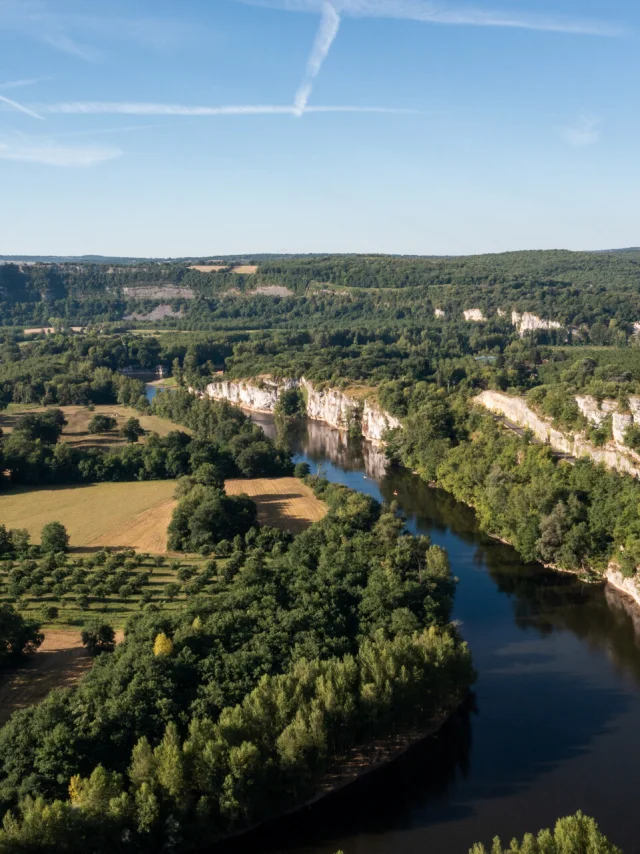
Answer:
[(597, 411), (261, 398), (528, 322), (619, 425), (501, 312), (439, 312), (515, 409), (594, 410), (626, 585), (330, 405), (474, 315)]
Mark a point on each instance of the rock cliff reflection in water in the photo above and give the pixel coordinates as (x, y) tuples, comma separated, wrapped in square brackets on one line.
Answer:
[(553, 723)]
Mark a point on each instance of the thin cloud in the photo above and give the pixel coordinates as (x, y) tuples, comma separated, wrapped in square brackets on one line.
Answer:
[(50, 153), (151, 109), (19, 107), (69, 31), (586, 131), (452, 13), (325, 37), (16, 84)]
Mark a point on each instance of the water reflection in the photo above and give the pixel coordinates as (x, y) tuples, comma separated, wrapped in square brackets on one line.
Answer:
[(552, 726)]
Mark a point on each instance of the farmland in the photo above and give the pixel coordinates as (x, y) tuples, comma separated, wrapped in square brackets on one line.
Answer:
[(113, 586), (114, 514), (78, 417), (283, 502)]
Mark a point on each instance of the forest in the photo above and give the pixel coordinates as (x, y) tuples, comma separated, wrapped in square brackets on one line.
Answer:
[(594, 296), (209, 718)]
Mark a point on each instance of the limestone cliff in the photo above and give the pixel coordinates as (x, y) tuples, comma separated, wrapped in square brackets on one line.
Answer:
[(614, 455), (331, 405), (528, 322), (597, 411)]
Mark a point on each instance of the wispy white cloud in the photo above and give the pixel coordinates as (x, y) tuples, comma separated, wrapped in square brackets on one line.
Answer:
[(15, 105), (152, 109), (64, 27), (585, 131), (16, 84), (451, 13), (48, 152), (325, 37)]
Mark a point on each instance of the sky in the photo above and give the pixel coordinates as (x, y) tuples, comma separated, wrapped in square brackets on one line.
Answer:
[(209, 127)]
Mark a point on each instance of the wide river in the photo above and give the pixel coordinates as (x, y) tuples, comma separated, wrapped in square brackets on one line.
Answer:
[(554, 722)]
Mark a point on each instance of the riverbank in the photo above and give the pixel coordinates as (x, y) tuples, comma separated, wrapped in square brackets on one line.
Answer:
[(358, 763)]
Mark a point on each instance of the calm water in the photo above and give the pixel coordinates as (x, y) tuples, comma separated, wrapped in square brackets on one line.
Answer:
[(554, 723)]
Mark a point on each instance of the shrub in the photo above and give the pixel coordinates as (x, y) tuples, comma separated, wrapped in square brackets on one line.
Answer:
[(301, 470), (102, 424)]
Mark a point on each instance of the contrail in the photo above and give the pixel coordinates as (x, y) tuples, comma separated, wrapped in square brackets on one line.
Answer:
[(16, 106), (327, 32), (151, 109)]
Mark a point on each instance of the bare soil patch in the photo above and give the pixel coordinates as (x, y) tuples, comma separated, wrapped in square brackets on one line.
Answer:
[(49, 330), (283, 502), (159, 292), (272, 291), (59, 663)]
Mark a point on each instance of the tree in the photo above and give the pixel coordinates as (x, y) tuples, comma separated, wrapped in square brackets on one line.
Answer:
[(46, 426), (54, 538), (207, 516), (49, 613), (18, 636), (301, 470), (132, 430), (172, 590), (162, 646), (575, 834), (98, 638), (102, 424)]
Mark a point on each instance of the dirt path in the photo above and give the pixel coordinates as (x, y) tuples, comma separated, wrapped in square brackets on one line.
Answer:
[(59, 663)]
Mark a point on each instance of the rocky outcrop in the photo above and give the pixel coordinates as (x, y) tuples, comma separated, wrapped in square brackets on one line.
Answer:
[(628, 586), (515, 409), (331, 405), (594, 410), (439, 312), (260, 396), (474, 315), (597, 411), (528, 322)]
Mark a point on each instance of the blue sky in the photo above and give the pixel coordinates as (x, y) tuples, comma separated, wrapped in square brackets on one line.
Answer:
[(227, 126)]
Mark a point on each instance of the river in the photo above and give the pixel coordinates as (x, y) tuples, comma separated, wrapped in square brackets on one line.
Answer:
[(553, 724)]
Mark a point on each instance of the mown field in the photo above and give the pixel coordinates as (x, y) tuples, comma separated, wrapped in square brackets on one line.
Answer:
[(134, 515), (283, 502), (78, 417)]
